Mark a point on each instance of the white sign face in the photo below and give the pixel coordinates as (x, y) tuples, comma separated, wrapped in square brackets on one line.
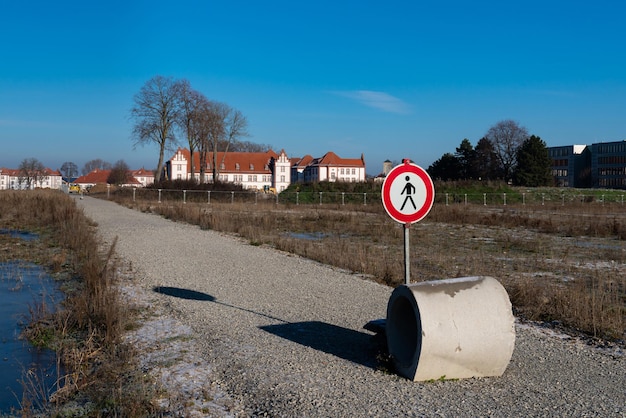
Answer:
[(408, 193)]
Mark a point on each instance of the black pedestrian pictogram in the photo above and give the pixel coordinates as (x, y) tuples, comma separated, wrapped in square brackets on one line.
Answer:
[(409, 189)]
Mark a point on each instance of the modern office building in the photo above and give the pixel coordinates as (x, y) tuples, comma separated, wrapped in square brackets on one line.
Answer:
[(608, 165), (570, 165), (599, 165)]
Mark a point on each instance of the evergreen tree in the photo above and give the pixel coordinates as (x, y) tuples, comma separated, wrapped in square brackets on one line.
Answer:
[(486, 164), (533, 168), (466, 155), (446, 168)]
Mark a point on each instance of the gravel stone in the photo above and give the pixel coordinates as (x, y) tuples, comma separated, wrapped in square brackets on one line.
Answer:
[(279, 335)]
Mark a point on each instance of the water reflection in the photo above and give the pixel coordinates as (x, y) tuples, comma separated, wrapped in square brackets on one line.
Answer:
[(22, 285), (15, 233)]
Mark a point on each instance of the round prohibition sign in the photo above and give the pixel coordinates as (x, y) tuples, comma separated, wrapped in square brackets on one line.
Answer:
[(408, 193)]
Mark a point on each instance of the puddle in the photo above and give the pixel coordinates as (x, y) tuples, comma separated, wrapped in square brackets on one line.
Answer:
[(14, 233), (587, 244), (22, 286), (313, 236)]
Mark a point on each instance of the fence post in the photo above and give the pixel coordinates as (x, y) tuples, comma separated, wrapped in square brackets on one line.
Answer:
[(184, 196), (321, 198), (504, 198), (134, 190), (343, 198), (297, 198), (484, 199), (446, 199), (465, 199), (208, 199), (108, 191), (159, 195), (523, 198), (256, 197), (232, 197), (543, 199), (277, 199), (365, 199)]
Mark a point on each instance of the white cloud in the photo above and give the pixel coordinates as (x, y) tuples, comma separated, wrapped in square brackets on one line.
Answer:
[(377, 100)]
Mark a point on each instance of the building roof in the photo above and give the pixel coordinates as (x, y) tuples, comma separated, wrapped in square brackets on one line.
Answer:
[(96, 176), (16, 172), (234, 162), (301, 162), (142, 172), (332, 159)]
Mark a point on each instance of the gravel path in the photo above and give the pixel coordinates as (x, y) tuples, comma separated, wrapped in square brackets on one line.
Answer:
[(280, 335)]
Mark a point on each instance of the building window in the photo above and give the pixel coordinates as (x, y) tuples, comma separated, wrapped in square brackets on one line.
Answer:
[(282, 169), (237, 166), (282, 179)]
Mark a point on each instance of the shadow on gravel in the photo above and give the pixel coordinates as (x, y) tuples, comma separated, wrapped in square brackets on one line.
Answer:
[(183, 293), (342, 342)]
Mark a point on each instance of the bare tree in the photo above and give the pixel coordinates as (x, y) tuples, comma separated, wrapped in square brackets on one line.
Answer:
[(69, 169), (31, 172), (247, 146), (228, 125), (204, 123), (95, 164), (155, 112), (191, 118), (506, 137), (120, 173), (216, 127)]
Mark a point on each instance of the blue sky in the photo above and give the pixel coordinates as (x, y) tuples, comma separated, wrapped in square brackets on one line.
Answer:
[(391, 80)]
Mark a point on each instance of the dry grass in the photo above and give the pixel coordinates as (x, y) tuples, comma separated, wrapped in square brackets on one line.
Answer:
[(86, 329), (563, 264)]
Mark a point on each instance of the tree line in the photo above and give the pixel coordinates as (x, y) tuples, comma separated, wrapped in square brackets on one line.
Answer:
[(506, 152), (167, 111)]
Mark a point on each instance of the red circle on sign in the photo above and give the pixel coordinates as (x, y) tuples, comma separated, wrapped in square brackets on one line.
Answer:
[(421, 212)]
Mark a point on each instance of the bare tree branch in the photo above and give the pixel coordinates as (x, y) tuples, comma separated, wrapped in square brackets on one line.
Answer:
[(506, 137), (155, 112)]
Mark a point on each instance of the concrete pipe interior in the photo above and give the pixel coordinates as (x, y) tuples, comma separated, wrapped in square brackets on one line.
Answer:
[(404, 330)]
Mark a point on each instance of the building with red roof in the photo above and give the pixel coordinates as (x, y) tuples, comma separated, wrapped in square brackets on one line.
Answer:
[(17, 180), (98, 176), (252, 170), (331, 167), (259, 170), (143, 176)]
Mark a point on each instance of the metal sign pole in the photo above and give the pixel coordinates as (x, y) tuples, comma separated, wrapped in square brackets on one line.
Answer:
[(407, 261)]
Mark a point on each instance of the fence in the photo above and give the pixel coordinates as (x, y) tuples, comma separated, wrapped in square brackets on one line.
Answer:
[(365, 199), (531, 198)]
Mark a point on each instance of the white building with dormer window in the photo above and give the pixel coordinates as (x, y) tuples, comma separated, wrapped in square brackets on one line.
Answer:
[(251, 170)]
